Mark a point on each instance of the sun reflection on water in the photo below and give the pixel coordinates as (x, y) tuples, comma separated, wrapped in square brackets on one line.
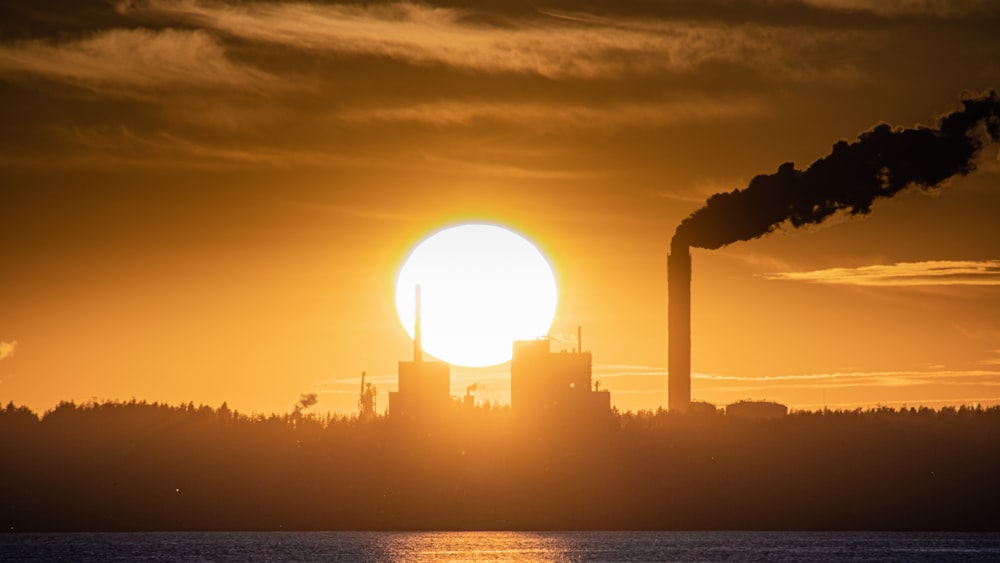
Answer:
[(474, 546)]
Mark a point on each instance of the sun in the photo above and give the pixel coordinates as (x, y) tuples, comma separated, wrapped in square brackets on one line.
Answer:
[(482, 287)]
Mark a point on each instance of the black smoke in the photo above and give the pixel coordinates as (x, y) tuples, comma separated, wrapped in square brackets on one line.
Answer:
[(306, 400), (879, 164)]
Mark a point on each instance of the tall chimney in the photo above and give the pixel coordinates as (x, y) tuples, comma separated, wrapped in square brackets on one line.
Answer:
[(418, 349), (679, 326)]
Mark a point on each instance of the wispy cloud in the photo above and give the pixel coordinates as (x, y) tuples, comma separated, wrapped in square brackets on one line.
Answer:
[(895, 378), (868, 379), (125, 146), (122, 146), (367, 213), (886, 8), (551, 44), (928, 273), (131, 63), (622, 370), (7, 349), (563, 115), (485, 168)]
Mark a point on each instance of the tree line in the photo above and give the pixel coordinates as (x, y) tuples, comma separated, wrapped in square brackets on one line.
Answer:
[(149, 466)]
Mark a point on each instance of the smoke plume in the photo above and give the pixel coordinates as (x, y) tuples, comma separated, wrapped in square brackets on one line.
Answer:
[(879, 164), (306, 400)]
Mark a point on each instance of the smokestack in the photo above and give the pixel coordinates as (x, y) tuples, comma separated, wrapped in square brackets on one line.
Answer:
[(579, 339), (418, 349), (878, 164), (679, 326)]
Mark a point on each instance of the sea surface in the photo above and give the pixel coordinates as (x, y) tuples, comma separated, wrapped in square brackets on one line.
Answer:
[(501, 546)]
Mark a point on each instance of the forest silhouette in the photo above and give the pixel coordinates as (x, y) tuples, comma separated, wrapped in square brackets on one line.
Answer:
[(141, 466)]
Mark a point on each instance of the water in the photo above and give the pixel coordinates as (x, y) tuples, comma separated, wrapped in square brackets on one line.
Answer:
[(501, 546)]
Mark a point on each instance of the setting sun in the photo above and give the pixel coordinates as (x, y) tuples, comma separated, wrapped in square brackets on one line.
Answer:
[(482, 287)]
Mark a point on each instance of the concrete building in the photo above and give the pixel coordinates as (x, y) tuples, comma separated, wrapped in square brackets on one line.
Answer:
[(542, 382), (424, 390), (679, 327), (424, 386)]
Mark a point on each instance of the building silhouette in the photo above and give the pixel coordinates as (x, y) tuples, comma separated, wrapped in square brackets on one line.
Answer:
[(761, 410), (541, 383), (424, 386), (702, 408), (546, 382)]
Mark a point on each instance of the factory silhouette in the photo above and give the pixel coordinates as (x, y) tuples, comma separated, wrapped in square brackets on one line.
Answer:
[(542, 384), (545, 386), (879, 164)]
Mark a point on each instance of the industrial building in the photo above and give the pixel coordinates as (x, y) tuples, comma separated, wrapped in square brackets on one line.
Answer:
[(424, 386), (760, 410), (542, 381)]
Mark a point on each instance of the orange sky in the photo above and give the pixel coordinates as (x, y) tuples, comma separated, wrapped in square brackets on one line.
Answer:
[(208, 201)]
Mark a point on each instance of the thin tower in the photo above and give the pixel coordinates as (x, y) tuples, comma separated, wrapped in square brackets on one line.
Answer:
[(418, 349), (679, 327)]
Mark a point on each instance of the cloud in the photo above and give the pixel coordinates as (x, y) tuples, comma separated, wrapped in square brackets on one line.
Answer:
[(889, 8), (122, 146), (927, 273), (551, 44), (484, 167), (623, 370), (837, 380), (563, 115), (131, 63), (7, 349), (372, 213)]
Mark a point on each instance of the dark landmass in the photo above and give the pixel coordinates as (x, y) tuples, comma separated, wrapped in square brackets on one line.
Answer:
[(139, 466)]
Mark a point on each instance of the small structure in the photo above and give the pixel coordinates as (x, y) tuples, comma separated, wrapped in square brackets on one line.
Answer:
[(701, 408), (469, 401), (545, 382), (759, 410), (366, 400)]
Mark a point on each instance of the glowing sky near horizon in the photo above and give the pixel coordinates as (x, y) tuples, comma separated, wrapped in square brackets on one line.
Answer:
[(209, 201)]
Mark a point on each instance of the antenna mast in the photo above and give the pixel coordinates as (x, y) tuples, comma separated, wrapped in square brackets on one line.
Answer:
[(418, 349)]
